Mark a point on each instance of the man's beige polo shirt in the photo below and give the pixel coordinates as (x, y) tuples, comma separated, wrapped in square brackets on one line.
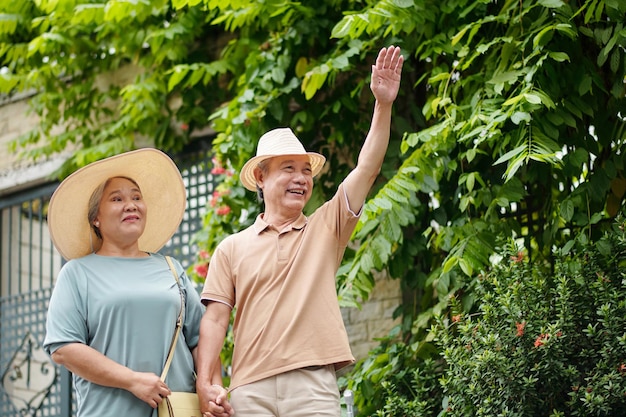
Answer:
[(283, 288)]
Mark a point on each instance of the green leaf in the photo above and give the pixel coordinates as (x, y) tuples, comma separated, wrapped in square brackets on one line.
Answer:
[(511, 154), (559, 56), (532, 98), (177, 75), (343, 27), (567, 210), (551, 4), (519, 116)]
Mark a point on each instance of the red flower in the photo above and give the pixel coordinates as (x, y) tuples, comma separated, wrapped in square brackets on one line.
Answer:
[(222, 210), (520, 328), (541, 339), (203, 254), (201, 270)]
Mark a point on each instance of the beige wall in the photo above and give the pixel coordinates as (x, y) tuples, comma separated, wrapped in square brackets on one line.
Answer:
[(15, 174)]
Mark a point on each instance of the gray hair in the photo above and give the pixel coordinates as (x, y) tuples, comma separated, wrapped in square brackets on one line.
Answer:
[(264, 167), (94, 203)]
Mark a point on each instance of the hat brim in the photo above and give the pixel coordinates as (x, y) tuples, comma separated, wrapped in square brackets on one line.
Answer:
[(161, 185), (247, 171)]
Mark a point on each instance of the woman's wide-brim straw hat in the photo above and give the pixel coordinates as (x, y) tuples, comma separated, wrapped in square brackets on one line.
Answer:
[(161, 185), (278, 142)]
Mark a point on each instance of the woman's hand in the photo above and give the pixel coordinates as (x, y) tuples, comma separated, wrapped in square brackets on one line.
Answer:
[(149, 388)]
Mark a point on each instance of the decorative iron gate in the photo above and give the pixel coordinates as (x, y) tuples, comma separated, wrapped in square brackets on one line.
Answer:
[(31, 384)]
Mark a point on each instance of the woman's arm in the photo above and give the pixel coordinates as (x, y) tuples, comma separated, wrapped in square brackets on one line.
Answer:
[(95, 367)]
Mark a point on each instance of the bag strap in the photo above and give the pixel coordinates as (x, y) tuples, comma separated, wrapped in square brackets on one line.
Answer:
[(179, 322)]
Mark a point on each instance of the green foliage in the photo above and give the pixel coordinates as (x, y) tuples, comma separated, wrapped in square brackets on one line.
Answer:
[(543, 342), (396, 380), (510, 122)]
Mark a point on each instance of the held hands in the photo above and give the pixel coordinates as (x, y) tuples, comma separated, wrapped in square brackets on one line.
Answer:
[(386, 74), (214, 401)]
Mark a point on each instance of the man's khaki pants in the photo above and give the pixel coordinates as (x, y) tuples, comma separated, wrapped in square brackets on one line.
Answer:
[(302, 392)]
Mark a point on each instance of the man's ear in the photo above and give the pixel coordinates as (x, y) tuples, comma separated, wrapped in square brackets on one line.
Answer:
[(258, 176)]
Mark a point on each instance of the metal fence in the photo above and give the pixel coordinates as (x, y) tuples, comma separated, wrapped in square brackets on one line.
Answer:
[(31, 384)]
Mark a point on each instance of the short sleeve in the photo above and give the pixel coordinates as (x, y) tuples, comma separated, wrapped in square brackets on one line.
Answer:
[(66, 321)]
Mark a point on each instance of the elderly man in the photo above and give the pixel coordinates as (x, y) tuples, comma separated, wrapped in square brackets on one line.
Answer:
[(280, 272)]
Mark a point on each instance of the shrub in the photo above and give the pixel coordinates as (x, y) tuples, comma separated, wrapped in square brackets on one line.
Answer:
[(544, 342), (394, 381), (545, 339)]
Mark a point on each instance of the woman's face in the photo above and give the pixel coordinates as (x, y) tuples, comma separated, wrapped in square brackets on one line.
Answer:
[(122, 212)]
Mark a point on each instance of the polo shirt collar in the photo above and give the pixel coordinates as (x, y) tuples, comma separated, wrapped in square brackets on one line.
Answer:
[(260, 225)]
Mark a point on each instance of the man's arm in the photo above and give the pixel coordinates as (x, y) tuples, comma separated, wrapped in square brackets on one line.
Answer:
[(386, 75), (213, 327)]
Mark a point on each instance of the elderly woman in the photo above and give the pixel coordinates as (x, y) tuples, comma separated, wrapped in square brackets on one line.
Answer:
[(113, 311)]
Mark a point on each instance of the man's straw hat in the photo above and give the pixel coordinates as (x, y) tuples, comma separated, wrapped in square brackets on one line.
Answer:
[(278, 142), (161, 185)]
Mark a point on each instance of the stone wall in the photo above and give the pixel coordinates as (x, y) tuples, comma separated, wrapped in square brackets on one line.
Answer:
[(374, 319)]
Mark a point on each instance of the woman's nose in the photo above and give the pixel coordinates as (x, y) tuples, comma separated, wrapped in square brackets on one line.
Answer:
[(130, 206)]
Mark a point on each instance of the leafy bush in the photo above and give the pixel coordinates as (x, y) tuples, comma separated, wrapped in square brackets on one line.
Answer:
[(394, 381), (544, 342), (546, 339)]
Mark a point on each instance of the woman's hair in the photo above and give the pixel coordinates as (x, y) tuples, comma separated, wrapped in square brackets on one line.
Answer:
[(94, 202)]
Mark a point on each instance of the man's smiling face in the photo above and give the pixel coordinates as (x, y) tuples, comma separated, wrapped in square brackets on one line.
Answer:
[(288, 182)]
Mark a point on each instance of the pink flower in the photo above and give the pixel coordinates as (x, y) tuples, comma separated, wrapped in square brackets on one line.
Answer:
[(203, 254), (518, 258), (218, 169)]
